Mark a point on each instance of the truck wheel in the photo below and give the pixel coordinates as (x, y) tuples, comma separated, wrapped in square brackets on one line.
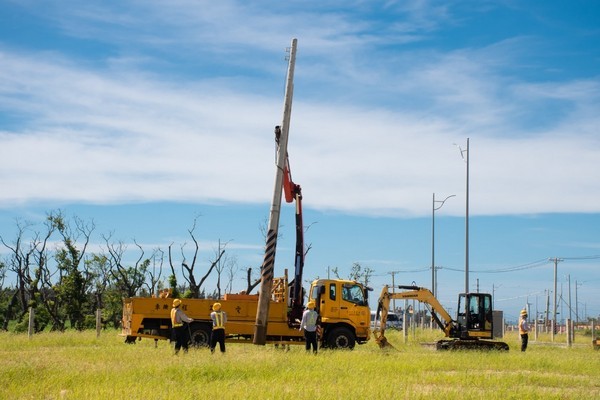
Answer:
[(341, 338), (200, 335)]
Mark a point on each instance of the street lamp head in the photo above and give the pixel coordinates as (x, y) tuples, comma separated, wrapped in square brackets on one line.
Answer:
[(462, 152), (441, 201)]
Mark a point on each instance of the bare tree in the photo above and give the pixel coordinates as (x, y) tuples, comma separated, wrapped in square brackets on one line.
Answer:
[(3, 269), (129, 279), (231, 268), (223, 261), (154, 273), (26, 260), (19, 263), (188, 269), (251, 282), (358, 273), (335, 271)]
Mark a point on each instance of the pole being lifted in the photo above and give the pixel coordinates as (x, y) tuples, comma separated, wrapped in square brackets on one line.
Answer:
[(266, 279)]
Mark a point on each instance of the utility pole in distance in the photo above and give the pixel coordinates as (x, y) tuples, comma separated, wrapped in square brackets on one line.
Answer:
[(268, 266), (556, 261)]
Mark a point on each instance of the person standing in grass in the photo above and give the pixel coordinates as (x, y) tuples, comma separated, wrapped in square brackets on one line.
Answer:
[(524, 329), (179, 323), (309, 325), (219, 318)]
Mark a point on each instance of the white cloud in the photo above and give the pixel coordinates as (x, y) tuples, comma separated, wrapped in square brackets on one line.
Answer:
[(372, 131), (104, 137)]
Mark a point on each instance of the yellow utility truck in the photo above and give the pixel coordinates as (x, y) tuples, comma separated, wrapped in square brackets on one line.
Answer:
[(342, 306)]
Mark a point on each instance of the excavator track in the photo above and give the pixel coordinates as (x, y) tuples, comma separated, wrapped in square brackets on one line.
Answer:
[(462, 344)]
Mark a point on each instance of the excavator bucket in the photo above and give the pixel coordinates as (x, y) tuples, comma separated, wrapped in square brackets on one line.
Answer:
[(382, 341)]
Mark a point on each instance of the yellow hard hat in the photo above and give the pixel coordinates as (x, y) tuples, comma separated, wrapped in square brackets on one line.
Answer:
[(216, 306), (311, 305), (176, 303)]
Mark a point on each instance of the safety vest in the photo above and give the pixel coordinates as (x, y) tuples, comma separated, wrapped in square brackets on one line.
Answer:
[(218, 321), (523, 326), (311, 319), (174, 322)]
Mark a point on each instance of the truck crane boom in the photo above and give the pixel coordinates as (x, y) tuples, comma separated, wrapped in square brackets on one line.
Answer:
[(293, 192)]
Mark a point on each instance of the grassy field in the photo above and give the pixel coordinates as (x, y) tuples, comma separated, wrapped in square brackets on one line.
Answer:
[(75, 365)]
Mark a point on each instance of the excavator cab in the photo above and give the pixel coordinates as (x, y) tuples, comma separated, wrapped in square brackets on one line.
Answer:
[(474, 316)]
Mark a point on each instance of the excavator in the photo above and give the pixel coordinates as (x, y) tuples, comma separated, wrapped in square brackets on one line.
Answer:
[(472, 329)]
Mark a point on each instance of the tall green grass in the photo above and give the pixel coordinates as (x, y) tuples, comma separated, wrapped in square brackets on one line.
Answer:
[(76, 365)]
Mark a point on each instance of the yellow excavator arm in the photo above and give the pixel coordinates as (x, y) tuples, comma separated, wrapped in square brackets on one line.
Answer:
[(444, 320)]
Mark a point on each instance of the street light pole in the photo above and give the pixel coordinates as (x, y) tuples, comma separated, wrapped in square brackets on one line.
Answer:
[(433, 210), (462, 154), (467, 227)]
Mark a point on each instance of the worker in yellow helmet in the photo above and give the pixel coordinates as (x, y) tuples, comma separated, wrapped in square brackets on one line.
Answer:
[(524, 329), (179, 323), (219, 318), (309, 325)]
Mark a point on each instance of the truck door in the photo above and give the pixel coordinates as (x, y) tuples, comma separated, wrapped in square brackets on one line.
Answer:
[(337, 300), (353, 301), (327, 299)]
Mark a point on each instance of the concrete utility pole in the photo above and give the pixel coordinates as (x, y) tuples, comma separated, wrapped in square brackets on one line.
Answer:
[(556, 261), (393, 273), (266, 279), (570, 308), (547, 309), (576, 303)]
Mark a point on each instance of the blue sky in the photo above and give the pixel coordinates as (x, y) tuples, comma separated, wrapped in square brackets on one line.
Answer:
[(145, 115)]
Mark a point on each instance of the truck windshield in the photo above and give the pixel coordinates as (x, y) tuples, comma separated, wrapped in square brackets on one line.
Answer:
[(353, 294)]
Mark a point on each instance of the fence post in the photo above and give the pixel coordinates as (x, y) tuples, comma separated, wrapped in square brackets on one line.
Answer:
[(404, 323), (98, 322), (31, 322)]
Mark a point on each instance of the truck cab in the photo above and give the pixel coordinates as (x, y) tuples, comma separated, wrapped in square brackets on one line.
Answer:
[(344, 310)]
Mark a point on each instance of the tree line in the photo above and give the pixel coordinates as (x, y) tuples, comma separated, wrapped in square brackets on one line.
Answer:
[(57, 275)]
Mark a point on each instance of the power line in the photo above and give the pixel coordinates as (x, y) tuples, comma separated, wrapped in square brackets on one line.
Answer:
[(533, 264), (530, 265), (582, 258), (521, 267)]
